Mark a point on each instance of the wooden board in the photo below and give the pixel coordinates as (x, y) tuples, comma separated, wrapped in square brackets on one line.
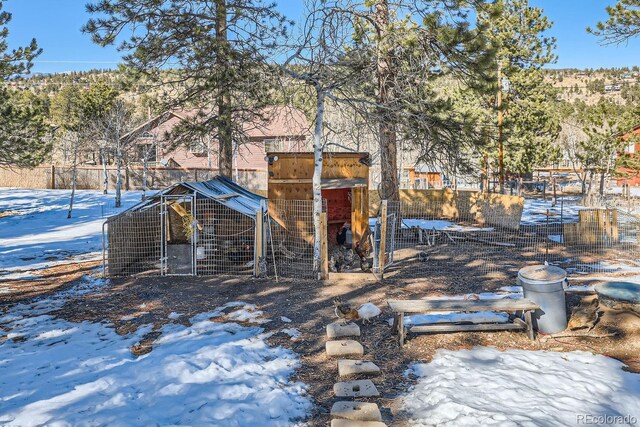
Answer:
[(359, 213), (440, 328), (290, 178), (424, 306)]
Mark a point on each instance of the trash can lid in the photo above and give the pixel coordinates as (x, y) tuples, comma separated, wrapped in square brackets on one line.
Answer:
[(543, 273), (619, 291)]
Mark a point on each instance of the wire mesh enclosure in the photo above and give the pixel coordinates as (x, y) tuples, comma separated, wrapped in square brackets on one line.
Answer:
[(430, 240), (134, 240), (225, 240), (192, 228), (290, 238)]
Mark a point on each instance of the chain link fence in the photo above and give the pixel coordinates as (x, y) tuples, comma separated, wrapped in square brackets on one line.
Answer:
[(290, 238), (428, 239)]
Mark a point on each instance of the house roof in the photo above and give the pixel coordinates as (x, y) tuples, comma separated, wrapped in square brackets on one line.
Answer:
[(425, 168), (279, 121), (272, 122), (220, 189)]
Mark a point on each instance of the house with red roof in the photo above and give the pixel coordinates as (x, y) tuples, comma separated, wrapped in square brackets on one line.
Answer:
[(278, 128)]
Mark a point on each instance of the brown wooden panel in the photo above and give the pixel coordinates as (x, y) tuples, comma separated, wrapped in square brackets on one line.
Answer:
[(359, 213)]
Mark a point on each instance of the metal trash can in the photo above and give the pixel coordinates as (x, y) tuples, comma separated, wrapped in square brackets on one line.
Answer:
[(545, 285)]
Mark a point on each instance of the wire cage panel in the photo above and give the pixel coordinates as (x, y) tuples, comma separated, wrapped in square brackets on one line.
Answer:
[(225, 240), (134, 242), (290, 238)]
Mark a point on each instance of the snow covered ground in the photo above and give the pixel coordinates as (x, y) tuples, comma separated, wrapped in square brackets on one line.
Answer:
[(55, 372), (535, 210), (430, 224), (484, 386), (37, 233)]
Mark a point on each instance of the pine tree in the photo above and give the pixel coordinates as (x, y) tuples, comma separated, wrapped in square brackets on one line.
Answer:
[(216, 50), (409, 45), (526, 122), (23, 131), (623, 23)]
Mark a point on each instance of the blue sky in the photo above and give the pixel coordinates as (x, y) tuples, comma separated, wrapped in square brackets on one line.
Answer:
[(56, 25)]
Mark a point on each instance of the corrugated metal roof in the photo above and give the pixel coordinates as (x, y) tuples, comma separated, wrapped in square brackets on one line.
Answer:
[(425, 168), (221, 189)]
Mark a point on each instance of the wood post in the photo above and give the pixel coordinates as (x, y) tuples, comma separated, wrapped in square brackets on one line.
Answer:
[(614, 226), (324, 249), (402, 332), (529, 321), (53, 177), (260, 240), (383, 237)]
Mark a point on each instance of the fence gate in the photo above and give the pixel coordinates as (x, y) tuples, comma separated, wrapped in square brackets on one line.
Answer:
[(384, 233), (178, 235)]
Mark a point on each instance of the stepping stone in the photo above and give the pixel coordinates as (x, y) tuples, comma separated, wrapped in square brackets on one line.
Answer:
[(338, 330), (348, 367), (359, 388), (351, 423), (343, 348), (358, 411)]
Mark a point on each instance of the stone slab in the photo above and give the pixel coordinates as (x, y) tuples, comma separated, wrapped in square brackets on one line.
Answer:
[(342, 348), (339, 330), (357, 411), (348, 367), (359, 388), (351, 423)]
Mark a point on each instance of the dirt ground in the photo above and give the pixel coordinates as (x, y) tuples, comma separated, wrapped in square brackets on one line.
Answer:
[(150, 300)]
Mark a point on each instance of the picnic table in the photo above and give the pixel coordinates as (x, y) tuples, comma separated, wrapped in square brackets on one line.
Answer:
[(520, 307)]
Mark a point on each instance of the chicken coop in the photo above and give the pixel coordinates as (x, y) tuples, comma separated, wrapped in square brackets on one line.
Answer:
[(345, 194), (192, 228)]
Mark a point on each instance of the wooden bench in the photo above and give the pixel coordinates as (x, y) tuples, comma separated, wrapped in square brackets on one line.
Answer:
[(517, 307)]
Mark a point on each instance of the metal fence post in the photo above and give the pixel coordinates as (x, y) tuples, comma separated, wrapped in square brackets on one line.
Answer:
[(383, 237), (260, 239)]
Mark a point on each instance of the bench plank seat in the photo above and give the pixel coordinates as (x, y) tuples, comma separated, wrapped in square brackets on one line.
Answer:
[(520, 306), (451, 327), (425, 306)]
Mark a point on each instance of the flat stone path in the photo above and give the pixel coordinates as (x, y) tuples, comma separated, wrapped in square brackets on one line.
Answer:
[(350, 423), (348, 367), (344, 348), (349, 413), (340, 330), (357, 411)]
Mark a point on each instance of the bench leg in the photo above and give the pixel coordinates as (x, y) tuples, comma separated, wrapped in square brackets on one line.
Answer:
[(401, 331), (394, 327), (529, 322)]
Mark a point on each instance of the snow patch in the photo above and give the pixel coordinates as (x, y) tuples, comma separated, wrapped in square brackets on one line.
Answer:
[(39, 235), (209, 373), (292, 332), (518, 387)]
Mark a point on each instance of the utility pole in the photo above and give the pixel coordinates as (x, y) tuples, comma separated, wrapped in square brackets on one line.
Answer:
[(500, 120)]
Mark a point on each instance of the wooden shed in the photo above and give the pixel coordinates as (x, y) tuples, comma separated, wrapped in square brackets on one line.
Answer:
[(345, 186)]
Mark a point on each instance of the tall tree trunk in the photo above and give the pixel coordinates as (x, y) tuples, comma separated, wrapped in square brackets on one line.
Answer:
[(500, 120), (386, 100), (225, 134), (144, 173), (74, 178), (602, 182), (105, 173), (317, 178), (118, 177)]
